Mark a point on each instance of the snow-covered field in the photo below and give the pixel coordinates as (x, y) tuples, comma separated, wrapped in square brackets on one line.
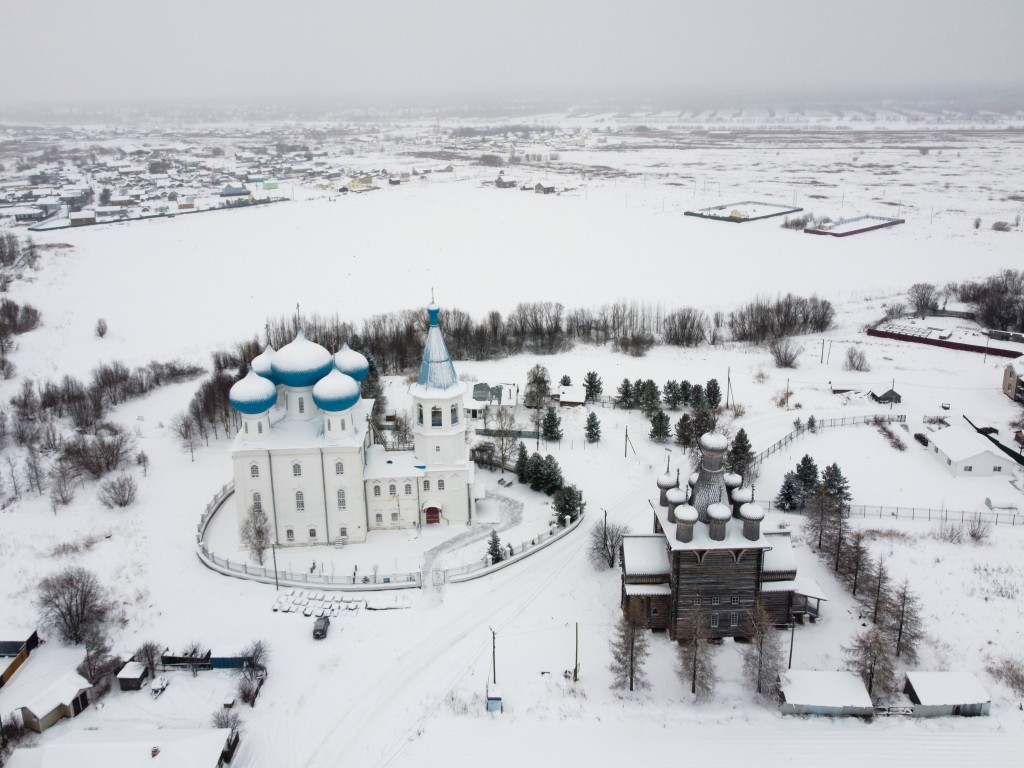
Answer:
[(404, 688)]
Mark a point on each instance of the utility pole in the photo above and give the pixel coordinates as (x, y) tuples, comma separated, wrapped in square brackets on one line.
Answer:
[(576, 665), (829, 355), (792, 634), (625, 445), (273, 549), (494, 655), (822, 351)]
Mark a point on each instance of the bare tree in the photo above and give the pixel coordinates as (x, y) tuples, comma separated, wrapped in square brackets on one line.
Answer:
[(99, 665), (856, 560), (906, 627), (34, 472), (148, 655), (184, 426), (505, 439), (12, 473), (605, 542), (120, 491), (763, 658), (196, 656), (403, 428), (856, 360), (255, 534), (870, 656), (629, 649), (877, 598), (978, 530), (101, 328), (73, 601), (227, 718), (142, 459), (62, 478), (924, 297), (697, 659), (784, 352), (256, 655)]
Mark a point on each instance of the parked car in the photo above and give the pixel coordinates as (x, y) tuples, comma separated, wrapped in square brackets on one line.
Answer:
[(921, 438), (320, 628)]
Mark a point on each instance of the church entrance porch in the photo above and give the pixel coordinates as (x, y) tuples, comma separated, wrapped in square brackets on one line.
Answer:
[(432, 515)]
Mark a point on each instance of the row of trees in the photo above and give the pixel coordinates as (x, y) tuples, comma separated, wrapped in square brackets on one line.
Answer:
[(649, 398)]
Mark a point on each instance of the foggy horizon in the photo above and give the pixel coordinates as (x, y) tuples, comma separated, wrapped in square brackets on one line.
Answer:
[(671, 55)]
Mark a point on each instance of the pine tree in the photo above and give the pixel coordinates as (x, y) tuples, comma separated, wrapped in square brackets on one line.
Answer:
[(535, 472), (740, 456), (703, 421), (568, 504), (698, 399), (551, 428), (713, 392), (807, 475), (877, 598), (494, 548), (629, 649), (593, 386), (856, 561), (593, 428), (660, 426), (552, 475), (835, 484), (670, 394), (649, 398), (685, 392), (624, 397), (812, 424), (763, 658), (905, 627), (697, 659), (870, 657), (684, 431), (565, 381), (522, 464), (788, 498)]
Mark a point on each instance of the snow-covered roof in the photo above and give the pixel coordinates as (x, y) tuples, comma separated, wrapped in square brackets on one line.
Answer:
[(677, 495), (647, 590), (350, 362), (252, 394), (382, 464), (780, 558), (958, 443), (293, 434), (301, 362), (263, 363), (575, 393), (133, 670), (713, 442), (644, 556), (734, 538), (45, 681), (128, 748), (336, 392), (824, 689), (1017, 365), (801, 585), (943, 688), (436, 370)]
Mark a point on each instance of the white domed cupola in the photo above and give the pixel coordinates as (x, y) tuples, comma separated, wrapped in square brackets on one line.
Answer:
[(352, 363), (336, 394), (299, 365), (253, 396)]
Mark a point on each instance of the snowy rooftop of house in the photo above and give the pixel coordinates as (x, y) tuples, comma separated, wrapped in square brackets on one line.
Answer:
[(647, 590), (45, 681), (133, 670), (129, 748), (1018, 366), (644, 556), (382, 464), (959, 443), (734, 538), (824, 689), (801, 585), (780, 558), (575, 393), (942, 688), (436, 371)]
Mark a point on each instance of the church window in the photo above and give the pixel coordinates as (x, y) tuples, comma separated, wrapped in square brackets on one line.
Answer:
[(440, 485), (328, 425), (734, 619), (259, 427), (290, 534), (341, 498), (435, 416), (419, 415), (426, 485), (392, 490), (696, 601), (296, 470), (342, 425), (380, 518), (655, 611), (312, 533), (376, 490), (302, 405), (343, 531), (254, 470), (247, 427), (734, 600), (394, 517), (257, 503), (408, 489), (714, 620), (716, 600), (300, 502), (455, 414), (339, 468), (437, 449)]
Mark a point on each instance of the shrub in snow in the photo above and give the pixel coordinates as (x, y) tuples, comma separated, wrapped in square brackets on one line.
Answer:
[(120, 491), (227, 718), (784, 353), (101, 328), (856, 360)]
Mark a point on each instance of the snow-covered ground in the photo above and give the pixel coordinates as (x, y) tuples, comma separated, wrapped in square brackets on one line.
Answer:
[(404, 688)]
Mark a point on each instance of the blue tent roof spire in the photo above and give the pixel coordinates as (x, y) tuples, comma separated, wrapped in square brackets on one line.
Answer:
[(436, 370)]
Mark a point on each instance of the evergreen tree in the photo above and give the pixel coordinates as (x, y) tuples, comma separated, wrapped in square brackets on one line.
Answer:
[(593, 386), (788, 498), (703, 421), (836, 485), (552, 475), (593, 428), (713, 392), (870, 657), (698, 399), (670, 394), (551, 428), (522, 464), (535, 472), (740, 456), (624, 397), (650, 398), (629, 649), (565, 381), (812, 424), (494, 548), (807, 475), (684, 431), (568, 504), (685, 392), (660, 426)]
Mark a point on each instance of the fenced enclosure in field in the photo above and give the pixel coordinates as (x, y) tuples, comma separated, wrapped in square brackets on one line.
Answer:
[(826, 424)]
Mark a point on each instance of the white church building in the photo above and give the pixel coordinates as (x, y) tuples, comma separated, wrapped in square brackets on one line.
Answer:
[(305, 453)]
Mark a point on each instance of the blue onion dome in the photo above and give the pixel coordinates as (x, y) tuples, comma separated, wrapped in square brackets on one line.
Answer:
[(301, 363), (350, 362), (263, 363), (253, 394), (336, 392)]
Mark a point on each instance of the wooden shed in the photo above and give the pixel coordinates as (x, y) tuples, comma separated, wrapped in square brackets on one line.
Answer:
[(830, 694), (942, 694), (65, 696), (131, 676), (889, 396)]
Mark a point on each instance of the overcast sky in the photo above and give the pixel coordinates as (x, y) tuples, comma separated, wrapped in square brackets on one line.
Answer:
[(62, 50)]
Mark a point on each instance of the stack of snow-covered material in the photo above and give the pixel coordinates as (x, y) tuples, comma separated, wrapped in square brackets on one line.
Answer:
[(938, 694), (832, 694)]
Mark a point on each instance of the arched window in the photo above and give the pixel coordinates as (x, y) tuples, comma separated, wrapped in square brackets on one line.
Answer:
[(392, 490), (455, 414), (328, 425), (435, 416), (247, 427), (408, 489), (426, 485), (257, 502), (296, 470), (290, 535), (342, 425), (341, 498), (312, 533), (302, 405), (254, 470), (419, 415), (440, 485), (339, 468), (300, 502), (259, 427), (376, 490)]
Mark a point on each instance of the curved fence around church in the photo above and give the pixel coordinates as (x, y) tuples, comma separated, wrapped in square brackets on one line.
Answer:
[(367, 582)]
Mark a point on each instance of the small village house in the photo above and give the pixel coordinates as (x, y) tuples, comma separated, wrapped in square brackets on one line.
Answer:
[(965, 453), (1013, 375), (163, 747), (830, 694), (940, 694), (575, 394), (131, 676)]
